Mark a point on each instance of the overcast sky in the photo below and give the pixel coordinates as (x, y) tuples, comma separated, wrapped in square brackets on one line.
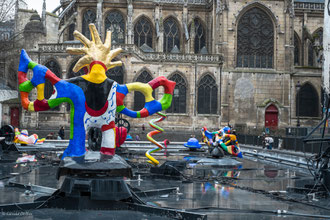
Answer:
[(37, 5)]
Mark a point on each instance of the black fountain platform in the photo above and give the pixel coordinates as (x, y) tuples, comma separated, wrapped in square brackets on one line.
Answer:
[(95, 165)]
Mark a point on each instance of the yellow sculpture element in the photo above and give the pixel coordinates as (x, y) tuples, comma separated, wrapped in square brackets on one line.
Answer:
[(144, 88), (97, 74), (40, 93), (31, 107), (94, 50)]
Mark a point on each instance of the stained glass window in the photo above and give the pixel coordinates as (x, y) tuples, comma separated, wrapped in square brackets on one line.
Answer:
[(179, 95), (116, 74), (72, 74), (255, 40), (88, 17), (72, 28), (307, 101), (207, 96), (12, 82), (310, 54), (200, 35), (143, 32), (115, 22), (171, 35), (139, 101), (296, 50), (318, 36)]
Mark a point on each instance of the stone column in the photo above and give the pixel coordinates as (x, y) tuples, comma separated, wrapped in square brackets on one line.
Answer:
[(192, 37), (130, 31), (214, 27), (160, 37), (44, 15), (99, 17), (185, 49), (288, 35), (159, 29), (221, 31)]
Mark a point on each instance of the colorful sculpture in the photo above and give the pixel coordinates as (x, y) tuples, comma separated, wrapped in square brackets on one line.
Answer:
[(94, 98), (23, 138), (223, 138), (157, 130)]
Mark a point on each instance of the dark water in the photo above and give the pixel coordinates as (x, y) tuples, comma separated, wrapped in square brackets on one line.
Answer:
[(240, 196)]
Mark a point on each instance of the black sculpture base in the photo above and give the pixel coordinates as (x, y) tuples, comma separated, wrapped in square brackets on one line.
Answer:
[(95, 165), (91, 193), (91, 181), (169, 168)]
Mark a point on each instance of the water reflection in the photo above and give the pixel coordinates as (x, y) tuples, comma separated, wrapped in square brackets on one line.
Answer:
[(205, 191), (216, 188)]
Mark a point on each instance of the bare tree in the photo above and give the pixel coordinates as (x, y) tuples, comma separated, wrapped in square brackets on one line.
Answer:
[(7, 10)]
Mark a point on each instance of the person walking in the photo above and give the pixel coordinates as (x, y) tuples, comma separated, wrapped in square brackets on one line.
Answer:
[(137, 138), (269, 142), (143, 128), (61, 133)]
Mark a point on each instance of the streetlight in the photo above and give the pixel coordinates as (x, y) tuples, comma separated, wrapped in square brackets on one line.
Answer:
[(297, 109)]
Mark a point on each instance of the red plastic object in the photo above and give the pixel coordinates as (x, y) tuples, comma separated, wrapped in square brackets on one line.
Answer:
[(121, 134)]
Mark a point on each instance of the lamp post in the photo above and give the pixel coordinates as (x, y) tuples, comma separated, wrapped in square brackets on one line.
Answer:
[(297, 109)]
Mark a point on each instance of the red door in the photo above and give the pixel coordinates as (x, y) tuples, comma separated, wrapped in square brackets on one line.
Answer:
[(271, 117), (14, 117)]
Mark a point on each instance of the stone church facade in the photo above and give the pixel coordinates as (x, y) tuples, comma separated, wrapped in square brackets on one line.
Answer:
[(252, 64)]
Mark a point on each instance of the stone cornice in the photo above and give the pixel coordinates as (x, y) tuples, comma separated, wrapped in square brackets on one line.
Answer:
[(134, 50), (309, 6), (7, 95)]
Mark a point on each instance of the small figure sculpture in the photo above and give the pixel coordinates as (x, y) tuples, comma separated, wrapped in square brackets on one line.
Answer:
[(222, 140), (23, 138), (94, 98)]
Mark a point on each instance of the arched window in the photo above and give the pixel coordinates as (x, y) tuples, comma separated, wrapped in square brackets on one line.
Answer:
[(144, 77), (171, 35), (179, 96), (255, 40), (56, 69), (143, 32), (318, 36), (307, 101), (72, 28), (115, 22), (200, 35), (72, 74), (310, 54), (314, 47), (12, 82), (88, 17), (116, 74), (207, 96), (296, 50)]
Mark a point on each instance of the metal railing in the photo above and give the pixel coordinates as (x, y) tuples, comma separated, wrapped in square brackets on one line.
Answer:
[(288, 143)]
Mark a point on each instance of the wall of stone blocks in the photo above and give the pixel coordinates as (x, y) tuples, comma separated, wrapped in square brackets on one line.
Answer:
[(244, 93)]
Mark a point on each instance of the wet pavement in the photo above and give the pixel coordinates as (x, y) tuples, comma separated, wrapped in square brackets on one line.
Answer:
[(251, 189)]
